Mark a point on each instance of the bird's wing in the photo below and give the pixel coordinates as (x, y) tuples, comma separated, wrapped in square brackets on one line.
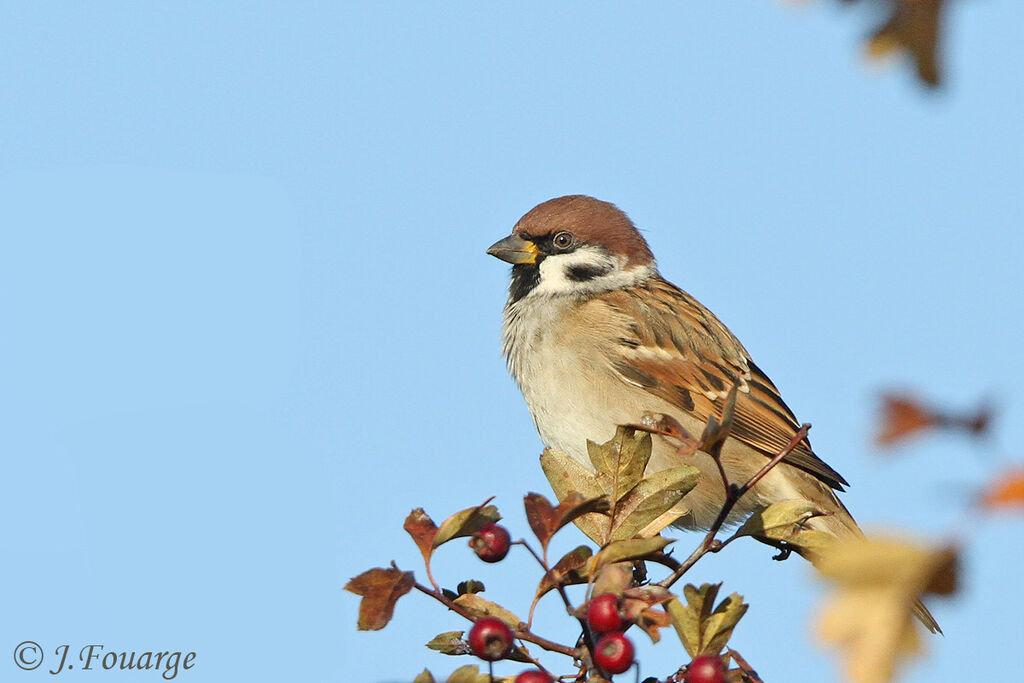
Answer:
[(670, 345)]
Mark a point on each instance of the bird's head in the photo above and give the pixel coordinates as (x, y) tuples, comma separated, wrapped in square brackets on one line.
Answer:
[(574, 245)]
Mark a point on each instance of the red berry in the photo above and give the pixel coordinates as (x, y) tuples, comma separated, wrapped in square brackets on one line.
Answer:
[(491, 542), (490, 639), (706, 669), (603, 614), (614, 653), (533, 676)]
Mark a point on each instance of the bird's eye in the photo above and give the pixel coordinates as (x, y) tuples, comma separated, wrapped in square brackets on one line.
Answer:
[(562, 240)]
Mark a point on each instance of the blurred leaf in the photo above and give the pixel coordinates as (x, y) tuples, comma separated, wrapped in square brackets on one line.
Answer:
[(1006, 491), (701, 629), (651, 499), (637, 605), (869, 615), (380, 589), (466, 523), (469, 586), (902, 416), (423, 531), (912, 27), (613, 578), (545, 519), (450, 643), (632, 549), (479, 607), (424, 677)]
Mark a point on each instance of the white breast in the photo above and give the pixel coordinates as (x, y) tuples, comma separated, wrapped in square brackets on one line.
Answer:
[(570, 389)]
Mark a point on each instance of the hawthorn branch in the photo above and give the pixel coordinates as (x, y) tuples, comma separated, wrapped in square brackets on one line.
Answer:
[(733, 494), (521, 634)]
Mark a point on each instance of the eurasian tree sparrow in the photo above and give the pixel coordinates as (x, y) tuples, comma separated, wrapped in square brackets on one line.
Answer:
[(595, 338)]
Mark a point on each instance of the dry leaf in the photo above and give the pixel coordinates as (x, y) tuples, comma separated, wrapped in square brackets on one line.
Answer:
[(1005, 492), (380, 589), (545, 519), (869, 616), (913, 27), (902, 416)]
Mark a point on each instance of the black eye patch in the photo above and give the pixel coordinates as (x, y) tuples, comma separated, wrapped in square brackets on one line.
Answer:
[(589, 271)]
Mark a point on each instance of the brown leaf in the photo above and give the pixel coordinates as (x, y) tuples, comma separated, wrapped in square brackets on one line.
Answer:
[(620, 462), (380, 589), (423, 531), (912, 27), (903, 416), (546, 519), (637, 605), (1006, 491), (570, 570)]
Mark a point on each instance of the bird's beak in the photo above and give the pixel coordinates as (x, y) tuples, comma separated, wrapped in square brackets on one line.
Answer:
[(514, 249)]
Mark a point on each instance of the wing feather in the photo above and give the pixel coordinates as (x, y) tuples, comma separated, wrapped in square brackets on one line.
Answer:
[(673, 347)]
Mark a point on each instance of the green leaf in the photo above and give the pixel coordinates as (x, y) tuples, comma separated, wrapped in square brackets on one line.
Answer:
[(465, 523), (779, 521), (621, 462), (701, 629), (566, 476), (470, 586), (468, 674), (650, 499), (424, 677), (479, 607), (631, 549), (449, 643)]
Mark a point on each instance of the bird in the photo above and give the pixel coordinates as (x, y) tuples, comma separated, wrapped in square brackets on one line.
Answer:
[(595, 337)]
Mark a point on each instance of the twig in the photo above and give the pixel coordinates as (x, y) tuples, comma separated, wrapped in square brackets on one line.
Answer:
[(732, 496), (526, 635)]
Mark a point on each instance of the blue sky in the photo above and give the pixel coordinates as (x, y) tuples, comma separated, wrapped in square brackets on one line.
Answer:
[(249, 322)]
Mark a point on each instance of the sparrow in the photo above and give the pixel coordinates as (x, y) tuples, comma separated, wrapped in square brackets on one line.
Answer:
[(596, 338)]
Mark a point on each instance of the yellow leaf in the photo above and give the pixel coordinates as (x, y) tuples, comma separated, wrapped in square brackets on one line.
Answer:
[(878, 586)]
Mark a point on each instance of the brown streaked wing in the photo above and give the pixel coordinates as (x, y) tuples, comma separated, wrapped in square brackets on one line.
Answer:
[(685, 355)]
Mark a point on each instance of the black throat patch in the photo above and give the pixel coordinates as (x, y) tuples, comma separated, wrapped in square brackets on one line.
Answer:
[(525, 276)]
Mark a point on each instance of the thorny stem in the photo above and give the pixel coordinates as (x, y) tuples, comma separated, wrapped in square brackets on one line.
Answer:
[(521, 634), (732, 496)]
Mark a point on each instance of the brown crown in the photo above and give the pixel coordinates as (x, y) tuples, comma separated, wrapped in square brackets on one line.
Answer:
[(592, 221)]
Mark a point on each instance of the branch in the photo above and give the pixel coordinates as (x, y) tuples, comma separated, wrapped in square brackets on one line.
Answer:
[(518, 633), (732, 496)]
